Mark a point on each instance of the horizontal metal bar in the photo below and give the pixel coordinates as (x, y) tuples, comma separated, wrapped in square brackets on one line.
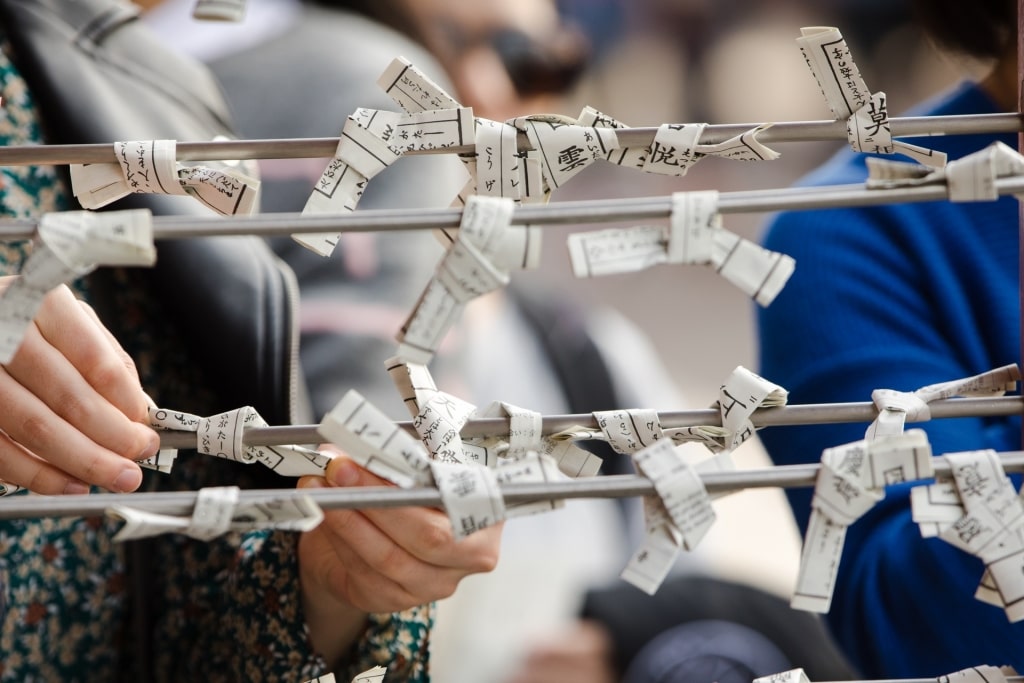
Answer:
[(317, 148), (812, 413), (559, 213), (616, 486)]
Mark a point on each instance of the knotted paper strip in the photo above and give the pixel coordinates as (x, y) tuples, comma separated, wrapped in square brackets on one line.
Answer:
[(471, 496), (437, 416), (565, 147), (791, 676), (486, 248), (695, 237), (896, 407), (677, 518), (850, 482), (990, 524), (217, 512), (848, 97), (971, 178), (375, 442), (222, 436), (151, 167), (529, 468), (676, 148), (572, 460), (71, 244)]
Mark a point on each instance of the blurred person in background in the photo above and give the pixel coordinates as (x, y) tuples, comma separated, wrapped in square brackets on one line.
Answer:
[(520, 345), (899, 297)]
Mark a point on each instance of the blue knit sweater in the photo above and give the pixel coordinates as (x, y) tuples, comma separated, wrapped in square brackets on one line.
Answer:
[(898, 297)]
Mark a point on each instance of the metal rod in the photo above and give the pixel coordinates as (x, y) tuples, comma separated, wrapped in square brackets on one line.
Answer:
[(559, 213), (812, 413), (317, 148), (615, 486)]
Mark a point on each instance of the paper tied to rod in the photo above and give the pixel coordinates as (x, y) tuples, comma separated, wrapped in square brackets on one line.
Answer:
[(438, 417), (971, 178), (676, 147), (374, 675), (223, 435), (695, 236), (359, 156), (529, 468), (10, 489), (572, 461), (847, 96), (791, 676), (375, 442), (677, 518), (896, 407), (978, 511), (851, 480), (217, 511), (979, 674), (219, 10), (370, 141), (486, 248), (471, 496), (71, 244), (564, 146), (743, 393), (975, 674), (151, 167)]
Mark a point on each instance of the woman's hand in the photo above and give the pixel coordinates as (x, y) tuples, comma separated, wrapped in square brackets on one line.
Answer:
[(73, 410), (379, 560)]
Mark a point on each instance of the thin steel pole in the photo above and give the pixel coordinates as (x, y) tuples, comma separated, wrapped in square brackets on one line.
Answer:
[(615, 486), (317, 148), (559, 213), (812, 413)]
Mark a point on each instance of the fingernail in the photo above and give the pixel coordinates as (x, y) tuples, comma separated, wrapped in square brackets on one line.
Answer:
[(346, 473), (75, 488), (128, 480)]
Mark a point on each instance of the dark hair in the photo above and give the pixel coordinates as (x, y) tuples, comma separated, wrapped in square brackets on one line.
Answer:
[(980, 28)]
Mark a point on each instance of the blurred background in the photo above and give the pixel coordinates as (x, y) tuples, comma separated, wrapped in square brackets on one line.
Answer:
[(683, 329), (717, 61)]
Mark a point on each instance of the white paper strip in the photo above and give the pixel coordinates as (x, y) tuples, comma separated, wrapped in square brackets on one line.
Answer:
[(565, 148), (530, 468), (150, 166), (680, 488), (741, 394), (216, 512), (366, 434), (476, 263), (628, 431), (71, 244), (471, 495), (850, 482), (896, 407), (848, 97)]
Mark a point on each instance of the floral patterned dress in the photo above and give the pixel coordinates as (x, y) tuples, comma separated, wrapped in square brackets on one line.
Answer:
[(228, 610)]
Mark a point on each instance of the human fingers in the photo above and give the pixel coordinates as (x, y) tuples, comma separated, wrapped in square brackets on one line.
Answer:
[(46, 436), (19, 466), (337, 565), (424, 533), (75, 330), (49, 375)]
